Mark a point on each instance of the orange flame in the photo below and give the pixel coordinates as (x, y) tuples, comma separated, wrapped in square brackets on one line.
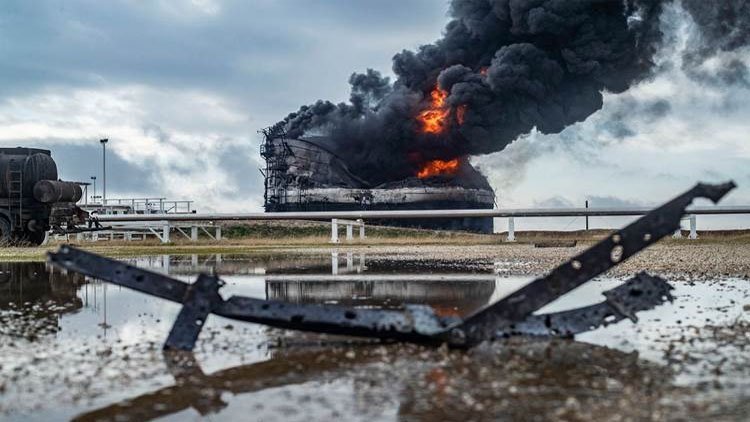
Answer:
[(438, 167), (461, 114), (433, 119)]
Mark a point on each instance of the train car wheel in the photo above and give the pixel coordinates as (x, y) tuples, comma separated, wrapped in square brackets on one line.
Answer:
[(35, 238), (5, 236)]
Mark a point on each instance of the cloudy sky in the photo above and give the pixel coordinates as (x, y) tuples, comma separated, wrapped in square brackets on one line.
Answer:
[(181, 87)]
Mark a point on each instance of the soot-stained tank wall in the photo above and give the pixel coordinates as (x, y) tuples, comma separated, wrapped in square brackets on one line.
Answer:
[(401, 199), (312, 165), (312, 177)]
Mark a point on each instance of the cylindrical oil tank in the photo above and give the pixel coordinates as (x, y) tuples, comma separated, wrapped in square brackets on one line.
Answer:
[(35, 165), (51, 191)]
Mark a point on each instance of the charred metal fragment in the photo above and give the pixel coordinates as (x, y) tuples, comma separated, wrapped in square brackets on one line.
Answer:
[(641, 293), (415, 323), (603, 256), (201, 299), (511, 316)]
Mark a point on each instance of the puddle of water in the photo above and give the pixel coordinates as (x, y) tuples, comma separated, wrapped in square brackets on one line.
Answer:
[(72, 345)]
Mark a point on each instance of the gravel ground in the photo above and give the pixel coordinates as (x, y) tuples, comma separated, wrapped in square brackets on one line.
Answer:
[(676, 259)]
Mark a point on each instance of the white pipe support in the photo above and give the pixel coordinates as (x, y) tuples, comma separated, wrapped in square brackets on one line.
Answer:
[(165, 229), (693, 227), (334, 230), (334, 263), (511, 230), (349, 262), (361, 229)]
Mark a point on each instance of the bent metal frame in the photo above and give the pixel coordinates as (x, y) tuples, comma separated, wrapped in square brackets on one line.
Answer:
[(512, 316)]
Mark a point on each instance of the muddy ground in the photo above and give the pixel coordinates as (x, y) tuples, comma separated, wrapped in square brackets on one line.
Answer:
[(73, 348)]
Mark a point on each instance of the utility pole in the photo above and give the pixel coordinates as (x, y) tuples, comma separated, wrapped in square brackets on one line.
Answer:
[(93, 198), (104, 170), (587, 217)]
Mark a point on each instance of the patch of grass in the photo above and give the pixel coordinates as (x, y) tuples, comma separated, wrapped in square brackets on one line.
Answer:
[(19, 254), (283, 237), (267, 231), (303, 230)]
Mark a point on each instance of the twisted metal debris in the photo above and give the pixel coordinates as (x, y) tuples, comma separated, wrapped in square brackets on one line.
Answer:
[(511, 316)]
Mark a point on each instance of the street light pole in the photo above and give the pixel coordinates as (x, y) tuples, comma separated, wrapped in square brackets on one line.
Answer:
[(587, 217), (93, 198), (104, 170)]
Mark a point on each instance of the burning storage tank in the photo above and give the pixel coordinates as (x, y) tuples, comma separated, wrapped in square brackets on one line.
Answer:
[(308, 174), (501, 70)]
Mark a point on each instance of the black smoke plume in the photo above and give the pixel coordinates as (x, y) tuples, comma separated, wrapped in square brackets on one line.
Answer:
[(724, 26), (512, 66)]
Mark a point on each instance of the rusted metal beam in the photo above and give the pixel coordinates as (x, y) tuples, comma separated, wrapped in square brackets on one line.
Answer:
[(641, 293), (603, 256), (201, 299), (414, 323)]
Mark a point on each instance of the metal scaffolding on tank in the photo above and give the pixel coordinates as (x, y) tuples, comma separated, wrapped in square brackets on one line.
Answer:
[(309, 174)]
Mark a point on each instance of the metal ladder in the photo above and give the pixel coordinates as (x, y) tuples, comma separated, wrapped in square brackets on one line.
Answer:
[(15, 192)]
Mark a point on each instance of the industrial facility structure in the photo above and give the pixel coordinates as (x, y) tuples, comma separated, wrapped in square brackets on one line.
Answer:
[(308, 174)]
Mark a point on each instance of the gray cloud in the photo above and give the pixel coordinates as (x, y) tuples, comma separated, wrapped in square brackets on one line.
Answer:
[(79, 162), (182, 89), (182, 86), (554, 202), (240, 167), (595, 201), (242, 49), (613, 202)]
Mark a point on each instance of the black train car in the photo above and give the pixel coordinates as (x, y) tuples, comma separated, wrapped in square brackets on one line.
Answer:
[(32, 199)]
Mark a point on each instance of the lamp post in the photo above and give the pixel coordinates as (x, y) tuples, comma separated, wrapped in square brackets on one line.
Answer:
[(104, 170), (587, 217), (93, 179)]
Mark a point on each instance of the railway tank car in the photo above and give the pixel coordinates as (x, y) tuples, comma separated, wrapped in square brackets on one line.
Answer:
[(32, 199)]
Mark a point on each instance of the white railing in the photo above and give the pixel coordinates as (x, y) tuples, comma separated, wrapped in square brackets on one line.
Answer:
[(146, 206), (352, 219), (335, 222), (378, 215)]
